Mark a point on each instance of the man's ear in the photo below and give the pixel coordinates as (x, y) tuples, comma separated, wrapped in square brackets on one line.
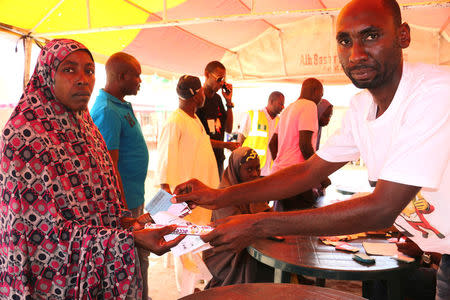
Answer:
[(404, 37)]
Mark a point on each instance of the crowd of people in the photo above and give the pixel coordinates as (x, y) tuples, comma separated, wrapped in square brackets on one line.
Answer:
[(72, 181)]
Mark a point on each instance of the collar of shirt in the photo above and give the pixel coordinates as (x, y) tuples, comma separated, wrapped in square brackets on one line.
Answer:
[(114, 99)]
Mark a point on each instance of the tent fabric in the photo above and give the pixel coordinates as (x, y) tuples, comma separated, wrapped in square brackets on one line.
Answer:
[(279, 40)]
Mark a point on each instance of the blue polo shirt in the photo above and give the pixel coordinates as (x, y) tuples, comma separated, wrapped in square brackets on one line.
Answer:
[(120, 129)]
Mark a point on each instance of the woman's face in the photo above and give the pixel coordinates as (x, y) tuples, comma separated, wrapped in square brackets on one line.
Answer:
[(250, 170), (74, 80)]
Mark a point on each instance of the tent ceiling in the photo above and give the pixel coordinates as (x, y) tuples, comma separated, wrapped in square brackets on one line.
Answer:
[(256, 39)]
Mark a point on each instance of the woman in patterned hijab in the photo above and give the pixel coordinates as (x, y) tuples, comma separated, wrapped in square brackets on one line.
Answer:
[(229, 268), (60, 203)]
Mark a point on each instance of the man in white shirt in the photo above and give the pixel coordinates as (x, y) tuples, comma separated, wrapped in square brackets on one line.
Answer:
[(257, 128), (399, 125), (184, 152)]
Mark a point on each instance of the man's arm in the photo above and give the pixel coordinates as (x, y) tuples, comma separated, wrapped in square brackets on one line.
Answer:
[(229, 113), (228, 145), (229, 122), (115, 159), (273, 146), (244, 129), (283, 184), (304, 143), (374, 211)]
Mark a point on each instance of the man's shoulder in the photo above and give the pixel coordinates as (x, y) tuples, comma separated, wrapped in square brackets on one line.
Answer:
[(176, 117), (103, 108), (425, 76), (102, 101)]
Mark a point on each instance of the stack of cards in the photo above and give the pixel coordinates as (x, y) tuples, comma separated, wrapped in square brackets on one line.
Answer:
[(165, 213), (185, 229), (161, 202)]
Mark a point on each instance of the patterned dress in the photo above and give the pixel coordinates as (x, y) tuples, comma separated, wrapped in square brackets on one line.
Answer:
[(60, 236)]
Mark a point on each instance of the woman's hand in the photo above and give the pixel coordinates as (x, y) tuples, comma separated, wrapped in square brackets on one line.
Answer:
[(136, 223), (153, 239)]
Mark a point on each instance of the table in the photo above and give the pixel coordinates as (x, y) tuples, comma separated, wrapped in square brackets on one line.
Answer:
[(307, 255), (272, 291)]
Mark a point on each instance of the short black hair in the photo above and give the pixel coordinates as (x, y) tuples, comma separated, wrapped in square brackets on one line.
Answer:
[(275, 96), (213, 65), (393, 6)]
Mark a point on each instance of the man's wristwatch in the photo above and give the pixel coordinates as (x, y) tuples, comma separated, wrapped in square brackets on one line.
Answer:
[(426, 259), (230, 105)]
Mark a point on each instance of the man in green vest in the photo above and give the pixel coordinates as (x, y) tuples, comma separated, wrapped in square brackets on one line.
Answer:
[(257, 128)]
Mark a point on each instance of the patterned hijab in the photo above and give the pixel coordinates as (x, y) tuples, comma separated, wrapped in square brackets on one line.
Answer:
[(59, 226), (237, 158)]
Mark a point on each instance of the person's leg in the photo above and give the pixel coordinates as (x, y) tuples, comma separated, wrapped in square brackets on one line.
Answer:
[(143, 256), (420, 284), (443, 279)]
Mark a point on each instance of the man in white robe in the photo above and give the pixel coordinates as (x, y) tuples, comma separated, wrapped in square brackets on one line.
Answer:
[(185, 152)]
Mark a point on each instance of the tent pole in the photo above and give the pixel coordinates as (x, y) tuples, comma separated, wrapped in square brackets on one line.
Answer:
[(88, 13), (283, 57), (226, 18), (240, 66), (27, 45), (165, 10)]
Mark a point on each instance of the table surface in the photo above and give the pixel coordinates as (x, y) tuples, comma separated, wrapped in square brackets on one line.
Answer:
[(307, 255), (272, 291)]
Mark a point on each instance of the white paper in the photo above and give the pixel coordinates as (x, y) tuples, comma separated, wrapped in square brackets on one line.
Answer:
[(161, 202), (191, 243)]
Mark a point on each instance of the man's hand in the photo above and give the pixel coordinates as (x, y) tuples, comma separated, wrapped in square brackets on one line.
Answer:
[(325, 183), (229, 95), (194, 193), (234, 233), (153, 239), (232, 145), (410, 248)]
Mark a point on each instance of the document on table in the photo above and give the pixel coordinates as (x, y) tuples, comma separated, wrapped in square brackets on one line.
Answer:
[(191, 243), (386, 249)]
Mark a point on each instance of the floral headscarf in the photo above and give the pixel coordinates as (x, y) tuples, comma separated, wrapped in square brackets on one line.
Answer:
[(59, 226), (231, 177)]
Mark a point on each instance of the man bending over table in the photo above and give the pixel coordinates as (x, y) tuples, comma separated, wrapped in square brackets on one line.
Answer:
[(398, 125)]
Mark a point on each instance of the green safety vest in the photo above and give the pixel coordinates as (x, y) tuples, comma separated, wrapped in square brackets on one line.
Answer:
[(258, 136)]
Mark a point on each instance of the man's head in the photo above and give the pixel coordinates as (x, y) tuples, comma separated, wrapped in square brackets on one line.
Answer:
[(189, 89), (312, 89), (123, 72), (370, 38), (215, 75), (275, 104)]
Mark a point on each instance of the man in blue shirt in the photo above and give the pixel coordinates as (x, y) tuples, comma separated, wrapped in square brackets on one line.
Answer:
[(117, 123)]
